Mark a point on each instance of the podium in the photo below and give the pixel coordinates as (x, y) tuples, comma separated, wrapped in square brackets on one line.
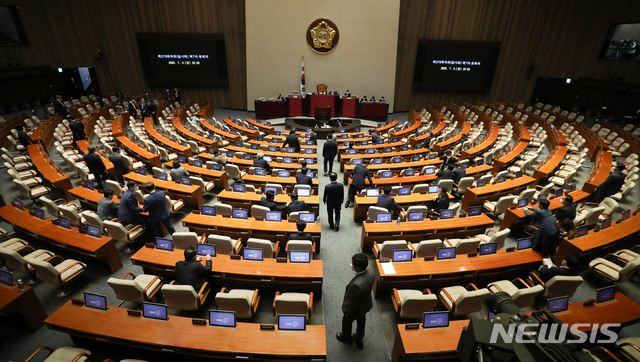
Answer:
[(322, 100)]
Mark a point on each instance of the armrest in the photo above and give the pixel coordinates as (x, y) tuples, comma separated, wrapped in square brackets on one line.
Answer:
[(54, 257), (203, 293), (426, 291), (224, 290), (127, 274), (395, 299), (274, 302), (472, 286), (607, 265), (494, 231), (237, 246), (453, 302), (410, 245), (630, 344), (276, 249), (607, 352), (69, 267), (526, 285), (494, 285), (310, 302), (38, 351), (134, 228), (313, 246), (255, 300), (446, 241), (149, 286), (376, 250), (203, 239), (115, 219), (18, 241)]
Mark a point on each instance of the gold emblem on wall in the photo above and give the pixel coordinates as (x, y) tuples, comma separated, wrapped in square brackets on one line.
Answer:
[(322, 36)]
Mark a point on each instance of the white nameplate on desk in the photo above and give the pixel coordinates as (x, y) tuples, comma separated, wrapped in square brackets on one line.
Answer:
[(388, 268)]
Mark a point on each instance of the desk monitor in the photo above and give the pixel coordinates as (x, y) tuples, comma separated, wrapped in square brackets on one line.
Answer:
[(501, 179), (267, 158), (352, 151), (446, 253), (404, 148), (38, 212), (446, 214), (433, 155), (440, 139), (475, 210), (283, 173), (394, 140), (239, 188), (277, 133), (557, 305), (186, 181), (433, 189), (239, 213), (377, 161), (396, 159), (524, 243), (481, 183), (480, 162), (238, 144), (605, 223), (572, 187), (364, 143), (409, 172), (415, 158), (415, 216), (95, 301), (360, 135), (370, 151), (429, 171), (606, 294), (183, 142), (197, 163), (142, 171), (273, 216), (388, 150), (311, 174), (523, 203), (208, 210), (402, 255), (252, 254), (383, 217), (154, 311), (89, 185), (303, 192), (164, 244), (435, 320), (343, 136), (308, 151), (206, 249), (272, 148), (271, 188), (559, 192), (308, 217), (290, 150), (356, 161), (216, 167), (93, 230), (542, 197), (64, 222), (582, 230), (373, 192), (287, 160), (291, 322), (387, 174), (182, 159), (488, 249), (260, 138), (219, 318), (308, 142), (625, 215), (254, 146), (518, 174), (162, 176), (18, 204), (404, 191), (6, 278), (260, 172), (299, 256)]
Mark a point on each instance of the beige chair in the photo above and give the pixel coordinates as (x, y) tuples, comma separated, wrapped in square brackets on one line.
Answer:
[(375, 210), (92, 218), (525, 194), (277, 186), (420, 188), (269, 250), (613, 271), (460, 300), (59, 275), (498, 237), (224, 244), (184, 239), (446, 184), (244, 302), (71, 212), (30, 193), (173, 205), (140, 289), (463, 246), (500, 206), (115, 186), (70, 354), (588, 216), (557, 286), (412, 304), (234, 172), (464, 183), (301, 245), (629, 347), (385, 250), (223, 209), (258, 211), (523, 297), (198, 181), (184, 297), (626, 255), (127, 234), (428, 247), (293, 303), (10, 253), (53, 206), (298, 187)]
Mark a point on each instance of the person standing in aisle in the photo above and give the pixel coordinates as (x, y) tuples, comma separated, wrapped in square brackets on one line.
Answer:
[(333, 197)]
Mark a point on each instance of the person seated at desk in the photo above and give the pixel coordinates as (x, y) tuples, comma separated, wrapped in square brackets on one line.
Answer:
[(459, 173), (295, 204), (386, 201), (373, 99), (382, 100), (292, 141), (610, 186), (537, 215), (375, 137), (260, 162), (107, 209), (567, 210), (303, 178), (190, 271), (442, 200), (347, 93), (363, 99), (301, 235), (427, 141), (568, 267), (445, 174), (217, 159), (129, 212), (268, 201), (23, 137), (547, 237), (447, 159), (280, 97), (178, 172)]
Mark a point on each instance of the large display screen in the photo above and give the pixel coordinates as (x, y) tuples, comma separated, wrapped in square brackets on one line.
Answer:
[(447, 65), (622, 43), (170, 59)]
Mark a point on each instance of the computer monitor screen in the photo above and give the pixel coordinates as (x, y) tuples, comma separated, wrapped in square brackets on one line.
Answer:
[(388, 149), (290, 322), (310, 161), (218, 318), (481, 183), (488, 249), (164, 244), (475, 210), (559, 304), (383, 217), (239, 188), (272, 148), (238, 144), (277, 133), (429, 171), (606, 294), (162, 176), (303, 192), (524, 243), (197, 163), (356, 161), (402, 255), (142, 171), (283, 173), (260, 172), (446, 214), (290, 150), (404, 148), (38, 212), (267, 158), (64, 222), (18, 204), (182, 159), (480, 162), (287, 160), (370, 151), (206, 249), (415, 216), (273, 216), (446, 253), (403, 191), (409, 172), (93, 230), (352, 152), (95, 301), (542, 197), (377, 161), (433, 156), (572, 187), (500, 179), (208, 210), (89, 185), (559, 192), (253, 147), (582, 230), (308, 217), (396, 159), (216, 167), (311, 174), (299, 256), (271, 188), (625, 215), (415, 158), (239, 213), (308, 142), (308, 151), (518, 174), (154, 311), (372, 192), (605, 223), (186, 181), (6, 278), (435, 320), (433, 189), (387, 174), (252, 254), (260, 138), (522, 203)]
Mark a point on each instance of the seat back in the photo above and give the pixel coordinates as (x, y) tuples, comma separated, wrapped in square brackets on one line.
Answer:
[(50, 206), (561, 285), (292, 303), (387, 247), (298, 187), (183, 240), (72, 214), (45, 271), (470, 301), (23, 188), (610, 205), (116, 231), (464, 183), (139, 196), (127, 289), (265, 245), (503, 204), (419, 188), (455, 207), (300, 245), (446, 184), (235, 302), (500, 237), (259, 211), (277, 186), (182, 297), (629, 270), (92, 218), (117, 189), (593, 215), (465, 246), (375, 210), (414, 305), (527, 194), (233, 171), (422, 208), (223, 209), (224, 244), (524, 297), (428, 248), (13, 260)]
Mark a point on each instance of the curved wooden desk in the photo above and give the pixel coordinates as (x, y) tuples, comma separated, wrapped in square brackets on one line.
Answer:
[(512, 216), (164, 141), (478, 195), (246, 131), (83, 145), (409, 344), (186, 133), (47, 168), (26, 303), (550, 164), (263, 127), (604, 162), (191, 195), (488, 142), (246, 200), (219, 178), (260, 181), (224, 134)]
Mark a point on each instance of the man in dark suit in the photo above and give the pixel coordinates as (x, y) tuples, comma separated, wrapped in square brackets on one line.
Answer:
[(610, 186), (313, 138), (358, 175), (59, 107), (301, 235), (357, 301), (537, 215), (375, 137), (167, 95), (129, 212), (178, 172), (386, 201), (23, 137), (133, 111), (77, 130), (329, 152), (333, 197), (445, 174), (190, 271), (260, 162), (151, 111), (547, 237), (303, 178), (156, 204), (177, 95), (447, 159), (568, 267), (567, 210), (143, 107), (292, 141), (119, 164), (268, 201), (459, 173), (95, 165), (107, 209), (295, 204), (441, 201)]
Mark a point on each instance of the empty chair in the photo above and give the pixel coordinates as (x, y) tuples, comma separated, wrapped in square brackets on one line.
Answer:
[(244, 302), (613, 271), (53, 206), (522, 296), (445, 184), (32, 193), (500, 206), (557, 286), (127, 234), (427, 247), (412, 304), (278, 187), (301, 245), (525, 194), (269, 250), (385, 250), (293, 303), (224, 244), (115, 186), (60, 354), (420, 188), (173, 205), (198, 181), (92, 218), (60, 274), (498, 237), (70, 212), (629, 347), (184, 297), (415, 208), (463, 246), (12, 251), (460, 300), (234, 172), (588, 216), (258, 211), (183, 240), (375, 210), (223, 209), (139, 289), (464, 183), (298, 187)]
